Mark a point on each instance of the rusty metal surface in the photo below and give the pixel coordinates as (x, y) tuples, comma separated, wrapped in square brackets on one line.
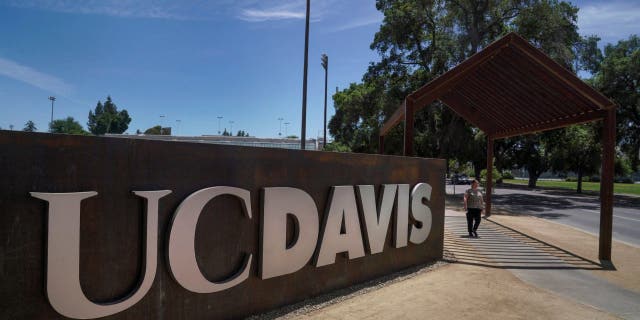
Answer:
[(111, 250)]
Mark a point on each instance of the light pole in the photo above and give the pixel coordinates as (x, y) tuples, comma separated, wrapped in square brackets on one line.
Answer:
[(178, 127), (219, 118), (286, 124), (304, 81), (325, 65), (161, 121), (52, 98), (231, 130), (280, 131)]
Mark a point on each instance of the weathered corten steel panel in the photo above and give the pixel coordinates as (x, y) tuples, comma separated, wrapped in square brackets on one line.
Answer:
[(111, 250)]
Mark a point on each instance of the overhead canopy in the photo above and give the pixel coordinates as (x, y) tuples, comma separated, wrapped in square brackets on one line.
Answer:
[(510, 88)]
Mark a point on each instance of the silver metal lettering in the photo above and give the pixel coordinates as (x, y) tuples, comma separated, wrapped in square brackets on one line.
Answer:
[(421, 213), (376, 218), (402, 216), (277, 259), (63, 255), (342, 207), (182, 253)]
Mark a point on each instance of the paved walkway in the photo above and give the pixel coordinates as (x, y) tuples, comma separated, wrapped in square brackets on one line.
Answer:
[(538, 263)]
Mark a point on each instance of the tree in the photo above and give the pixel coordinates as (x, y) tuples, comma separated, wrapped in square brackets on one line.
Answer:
[(242, 133), (68, 126), (107, 119), (336, 147), (576, 149), (157, 130), (617, 78), (30, 127), (226, 133)]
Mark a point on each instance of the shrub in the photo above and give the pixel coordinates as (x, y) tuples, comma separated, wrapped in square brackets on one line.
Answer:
[(623, 180), (497, 177), (507, 175), (594, 179)]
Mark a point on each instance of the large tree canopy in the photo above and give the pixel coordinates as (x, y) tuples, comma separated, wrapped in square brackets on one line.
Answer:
[(420, 40), (617, 77)]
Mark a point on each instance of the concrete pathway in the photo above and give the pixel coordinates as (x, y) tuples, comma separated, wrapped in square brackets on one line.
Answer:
[(539, 264)]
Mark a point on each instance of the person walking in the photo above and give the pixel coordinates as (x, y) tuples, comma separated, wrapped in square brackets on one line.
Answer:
[(473, 204)]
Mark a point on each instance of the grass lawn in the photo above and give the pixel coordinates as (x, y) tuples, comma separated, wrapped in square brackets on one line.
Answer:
[(618, 188)]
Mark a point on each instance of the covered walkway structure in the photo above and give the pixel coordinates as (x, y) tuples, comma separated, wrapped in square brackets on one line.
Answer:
[(511, 88)]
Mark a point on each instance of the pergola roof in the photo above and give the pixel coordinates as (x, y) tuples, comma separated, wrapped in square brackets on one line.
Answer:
[(509, 88)]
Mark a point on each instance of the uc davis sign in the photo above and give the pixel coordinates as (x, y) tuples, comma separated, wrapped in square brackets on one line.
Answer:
[(103, 227)]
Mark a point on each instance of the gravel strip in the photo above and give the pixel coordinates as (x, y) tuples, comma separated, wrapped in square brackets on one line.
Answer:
[(337, 296)]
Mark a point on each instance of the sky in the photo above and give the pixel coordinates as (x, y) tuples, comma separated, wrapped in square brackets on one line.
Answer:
[(192, 61)]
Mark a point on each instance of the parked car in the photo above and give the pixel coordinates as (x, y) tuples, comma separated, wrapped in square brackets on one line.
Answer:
[(460, 179)]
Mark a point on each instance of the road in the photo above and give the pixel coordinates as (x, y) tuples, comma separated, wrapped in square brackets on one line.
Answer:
[(569, 208)]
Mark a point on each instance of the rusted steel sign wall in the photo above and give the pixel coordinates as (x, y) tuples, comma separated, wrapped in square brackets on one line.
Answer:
[(131, 229)]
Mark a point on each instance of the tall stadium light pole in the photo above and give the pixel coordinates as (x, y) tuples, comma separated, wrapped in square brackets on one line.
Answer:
[(178, 127), (52, 98), (231, 128), (325, 65), (161, 121), (219, 118), (303, 135), (280, 131), (286, 124)]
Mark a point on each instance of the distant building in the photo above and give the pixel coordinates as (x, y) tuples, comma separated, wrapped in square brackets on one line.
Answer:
[(284, 143)]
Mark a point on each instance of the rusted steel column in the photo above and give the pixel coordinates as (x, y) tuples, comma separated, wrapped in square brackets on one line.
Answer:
[(381, 144), (606, 184), (408, 128), (489, 187)]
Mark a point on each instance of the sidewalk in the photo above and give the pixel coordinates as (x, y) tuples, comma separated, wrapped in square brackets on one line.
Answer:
[(520, 268)]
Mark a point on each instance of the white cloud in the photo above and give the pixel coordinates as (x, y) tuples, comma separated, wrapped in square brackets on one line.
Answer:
[(611, 21), (359, 23), (33, 77), (172, 9), (253, 15)]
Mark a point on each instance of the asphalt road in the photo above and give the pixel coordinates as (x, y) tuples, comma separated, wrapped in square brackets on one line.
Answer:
[(570, 208)]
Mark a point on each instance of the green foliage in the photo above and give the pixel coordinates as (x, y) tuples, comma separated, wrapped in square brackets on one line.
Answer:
[(226, 133), (496, 176), (292, 136), (157, 130), (336, 147), (618, 79), (241, 133), (68, 126), (507, 175), (30, 127), (576, 148), (107, 119)]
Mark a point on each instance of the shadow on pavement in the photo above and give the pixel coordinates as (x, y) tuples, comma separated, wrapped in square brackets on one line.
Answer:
[(499, 246)]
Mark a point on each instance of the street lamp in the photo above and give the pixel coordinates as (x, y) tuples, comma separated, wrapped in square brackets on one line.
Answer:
[(178, 127), (286, 124), (219, 118), (280, 131), (325, 65), (304, 81), (52, 98)]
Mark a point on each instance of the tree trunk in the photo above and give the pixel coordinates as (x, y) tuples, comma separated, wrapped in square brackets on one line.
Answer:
[(579, 190), (533, 178)]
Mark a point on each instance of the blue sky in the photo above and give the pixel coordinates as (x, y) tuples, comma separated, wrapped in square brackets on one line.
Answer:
[(196, 60)]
